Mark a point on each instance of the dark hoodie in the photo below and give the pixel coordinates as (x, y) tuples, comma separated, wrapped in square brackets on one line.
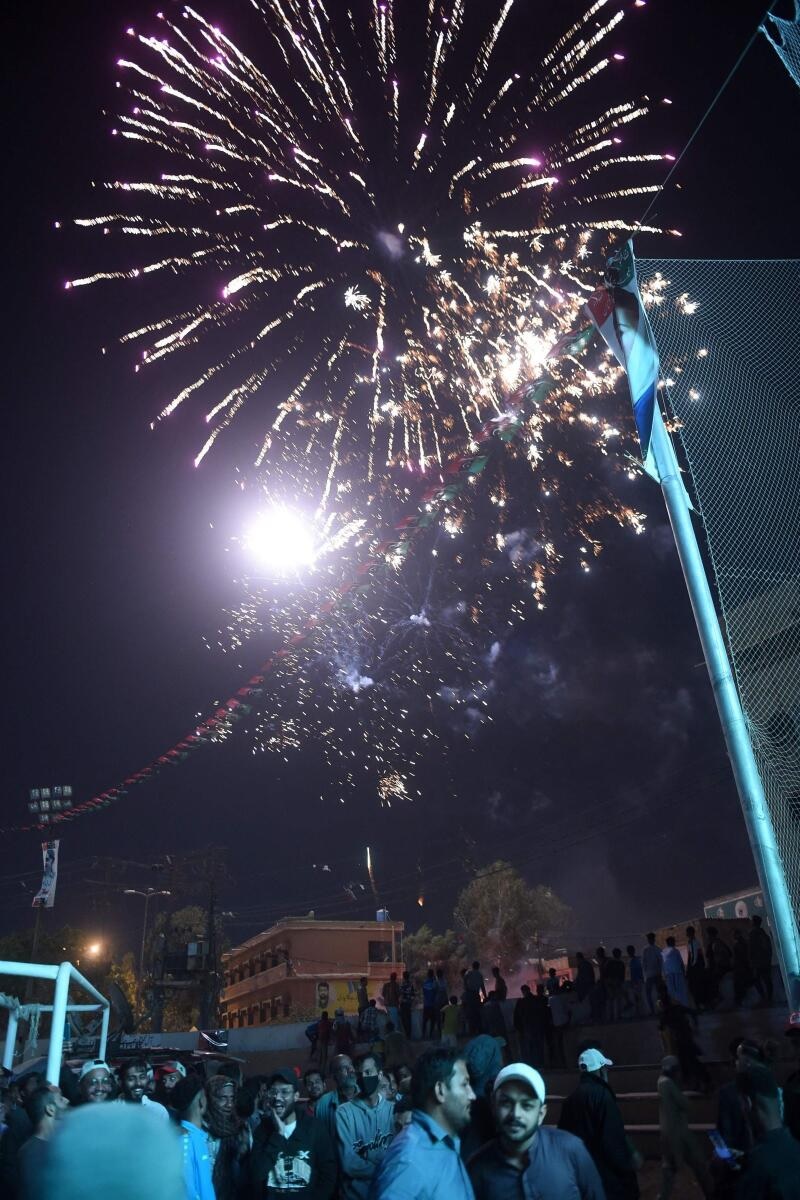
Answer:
[(592, 1114), (303, 1165)]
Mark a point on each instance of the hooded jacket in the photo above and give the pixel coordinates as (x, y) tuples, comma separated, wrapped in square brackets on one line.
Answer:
[(302, 1165), (362, 1133), (592, 1114)]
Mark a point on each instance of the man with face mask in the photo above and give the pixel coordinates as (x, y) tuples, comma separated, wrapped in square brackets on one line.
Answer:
[(292, 1154), (528, 1158), (345, 1088), (364, 1128)]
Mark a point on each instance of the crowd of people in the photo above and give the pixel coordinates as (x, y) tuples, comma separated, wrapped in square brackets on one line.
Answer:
[(457, 1125), (372, 1119)]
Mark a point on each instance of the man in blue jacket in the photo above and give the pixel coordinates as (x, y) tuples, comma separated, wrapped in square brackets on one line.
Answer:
[(528, 1158), (424, 1161)]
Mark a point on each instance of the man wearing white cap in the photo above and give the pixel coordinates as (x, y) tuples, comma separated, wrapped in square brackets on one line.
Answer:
[(527, 1158), (94, 1081), (592, 1114)]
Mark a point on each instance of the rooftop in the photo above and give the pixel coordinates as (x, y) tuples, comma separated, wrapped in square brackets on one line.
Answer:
[(289, 923)]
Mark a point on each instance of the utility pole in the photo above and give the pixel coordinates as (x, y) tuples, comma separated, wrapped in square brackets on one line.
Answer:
[(148, 896)]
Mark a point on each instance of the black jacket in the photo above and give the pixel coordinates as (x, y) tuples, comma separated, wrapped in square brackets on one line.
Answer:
[(307, 1155), (592, 1114)]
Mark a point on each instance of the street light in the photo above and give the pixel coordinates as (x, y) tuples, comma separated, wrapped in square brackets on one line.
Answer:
[(148, 895), (94, 949)]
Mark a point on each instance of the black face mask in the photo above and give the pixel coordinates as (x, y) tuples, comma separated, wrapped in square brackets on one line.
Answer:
[(368, 1084)]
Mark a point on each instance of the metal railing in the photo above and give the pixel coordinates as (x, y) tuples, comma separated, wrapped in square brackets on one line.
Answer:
[(61, 976)]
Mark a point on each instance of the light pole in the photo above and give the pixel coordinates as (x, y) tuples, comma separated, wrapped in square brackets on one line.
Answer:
[(148, 895)]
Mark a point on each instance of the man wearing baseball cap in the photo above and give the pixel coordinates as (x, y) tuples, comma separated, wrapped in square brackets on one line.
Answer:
[(94, 1081), (593, 1115), (528, 1158)]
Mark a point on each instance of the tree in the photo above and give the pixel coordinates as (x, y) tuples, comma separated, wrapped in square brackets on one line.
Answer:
[(504, 919), (425, 949)]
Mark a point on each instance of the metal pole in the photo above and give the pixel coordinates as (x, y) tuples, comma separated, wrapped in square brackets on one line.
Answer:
[(60, 998), (11, 1038), (37, 926), (757, 818), (104, 1032), (144, 935)]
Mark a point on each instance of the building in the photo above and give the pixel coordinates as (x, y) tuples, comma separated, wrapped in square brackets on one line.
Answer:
[(302, 966), (737, 904)]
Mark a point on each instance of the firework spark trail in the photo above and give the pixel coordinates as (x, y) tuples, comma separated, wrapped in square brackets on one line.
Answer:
[(346, 304), (296, 145)]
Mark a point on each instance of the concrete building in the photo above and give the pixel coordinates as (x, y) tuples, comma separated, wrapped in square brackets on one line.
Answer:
[(302, 966)]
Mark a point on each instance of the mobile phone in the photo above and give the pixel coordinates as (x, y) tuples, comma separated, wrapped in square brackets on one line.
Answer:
[(721, 1148)]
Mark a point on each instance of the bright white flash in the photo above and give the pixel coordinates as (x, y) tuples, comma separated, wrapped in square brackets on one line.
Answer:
[(281, 541)]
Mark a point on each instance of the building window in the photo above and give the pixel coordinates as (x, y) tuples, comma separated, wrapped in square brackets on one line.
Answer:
[(379, 952), (287, 1006), (274, 1005), (263, 1012)]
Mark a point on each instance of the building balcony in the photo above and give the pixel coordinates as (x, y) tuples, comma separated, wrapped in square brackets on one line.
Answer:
[(244, 987)]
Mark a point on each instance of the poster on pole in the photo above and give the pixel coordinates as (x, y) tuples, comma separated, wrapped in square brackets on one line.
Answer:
[(46, 895)]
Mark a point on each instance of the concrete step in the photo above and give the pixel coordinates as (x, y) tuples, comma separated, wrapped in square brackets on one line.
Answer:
[(642, 1107)]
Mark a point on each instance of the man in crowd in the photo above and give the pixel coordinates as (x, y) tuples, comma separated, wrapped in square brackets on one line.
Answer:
[(133, 1088), (369, 1022), (18, 1130), (189, 1102), (527, 1158), (391, 998), (492, 1020), (396, 1047), (344, 1080), (362, 998), (615, 984), (364, 1128), (408, 994), (678, 1144), (652, 966), (719, 960), (584, 976), (772, 1168), (500, 986), (531, 1017), (695, 967), (94, 1081), (292, 1154), (674, 973), (592, 1114), (474, 992), (430, 1013), (551, 983), (45, 1108), (635, 981), (760, 947), (450, 1017), (315, 1089), (423, 1162)]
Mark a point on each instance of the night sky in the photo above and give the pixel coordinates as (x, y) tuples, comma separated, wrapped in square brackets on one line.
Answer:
[(604, 773)]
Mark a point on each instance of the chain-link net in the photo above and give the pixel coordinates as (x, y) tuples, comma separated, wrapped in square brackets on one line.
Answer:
[(727, 334), (784, 37)]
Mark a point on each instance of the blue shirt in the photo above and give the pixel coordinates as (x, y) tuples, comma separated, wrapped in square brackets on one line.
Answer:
[(635, 969), (422, 1163), (196, 1163), (559, 1168)]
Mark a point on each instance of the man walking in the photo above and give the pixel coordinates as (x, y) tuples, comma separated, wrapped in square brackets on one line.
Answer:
[(695, 968), (408, 994), (424, 1161), (678, 1143), (528, 1158), (592, 1114), (391, 998)]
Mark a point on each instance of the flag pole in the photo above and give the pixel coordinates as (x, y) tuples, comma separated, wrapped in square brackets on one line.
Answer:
[(757, 819)]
